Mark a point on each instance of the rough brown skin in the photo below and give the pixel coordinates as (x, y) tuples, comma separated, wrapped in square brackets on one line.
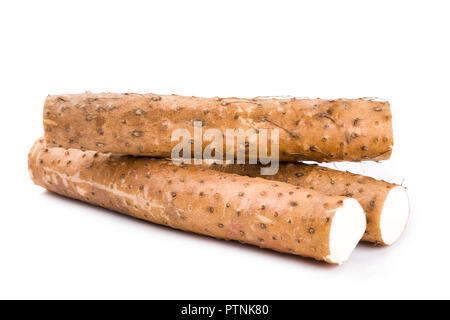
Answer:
[(277, 216), (370, 193), (142, 124)]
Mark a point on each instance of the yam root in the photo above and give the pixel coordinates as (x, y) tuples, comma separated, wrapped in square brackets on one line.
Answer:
[(142, 124), (277, 216), (386, 205)]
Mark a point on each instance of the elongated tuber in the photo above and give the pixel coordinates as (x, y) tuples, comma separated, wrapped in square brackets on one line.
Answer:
[(142, 124), (277, 216)]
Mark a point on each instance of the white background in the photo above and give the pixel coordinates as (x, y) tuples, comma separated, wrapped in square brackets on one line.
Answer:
[(51, 247)]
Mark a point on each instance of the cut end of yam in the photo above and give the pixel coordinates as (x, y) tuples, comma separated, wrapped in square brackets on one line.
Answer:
[(347, 228), (394, 216)]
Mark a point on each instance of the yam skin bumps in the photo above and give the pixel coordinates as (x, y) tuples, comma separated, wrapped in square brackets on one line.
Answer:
[(386, 205), (141, 124), (273, 215)]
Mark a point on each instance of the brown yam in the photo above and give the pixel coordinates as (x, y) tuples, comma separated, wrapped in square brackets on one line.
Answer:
[(142, 124), (277, 216)]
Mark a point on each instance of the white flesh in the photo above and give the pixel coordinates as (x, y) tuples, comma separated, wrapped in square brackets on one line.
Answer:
[(394, 215), (347, 228)]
